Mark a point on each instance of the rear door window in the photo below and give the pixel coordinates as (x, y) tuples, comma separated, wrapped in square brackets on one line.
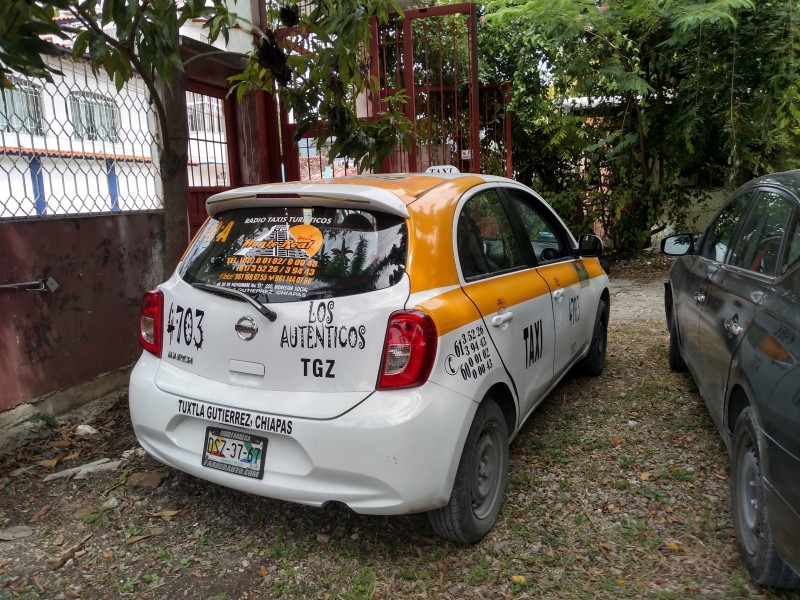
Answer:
[(759, 245), (791, 256), (485, 239), (279, 254), (718, 239), (546, 238)]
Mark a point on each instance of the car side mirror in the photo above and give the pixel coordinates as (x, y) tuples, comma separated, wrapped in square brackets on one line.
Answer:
[(678, 244), (590, 245)]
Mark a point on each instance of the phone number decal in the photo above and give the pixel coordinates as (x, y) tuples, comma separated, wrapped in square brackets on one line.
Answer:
[(472, 355)]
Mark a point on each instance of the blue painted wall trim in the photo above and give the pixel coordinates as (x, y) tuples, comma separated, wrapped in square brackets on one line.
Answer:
[(37, 181), (113, 190)]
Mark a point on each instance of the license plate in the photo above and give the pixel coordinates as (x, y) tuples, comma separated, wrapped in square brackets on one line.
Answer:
[(234, 452)]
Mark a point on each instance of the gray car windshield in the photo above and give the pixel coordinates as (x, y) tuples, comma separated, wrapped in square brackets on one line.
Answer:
[(287, 254)]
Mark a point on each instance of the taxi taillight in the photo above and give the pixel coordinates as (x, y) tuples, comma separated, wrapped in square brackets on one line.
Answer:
[(151, 316), (409, 350)]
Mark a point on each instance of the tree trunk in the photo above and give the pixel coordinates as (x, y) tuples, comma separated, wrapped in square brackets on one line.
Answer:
[(173, 164)]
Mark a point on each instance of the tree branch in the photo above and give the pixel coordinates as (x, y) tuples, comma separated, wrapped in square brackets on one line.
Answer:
[(90, 21), (211, 54), (134, 25)]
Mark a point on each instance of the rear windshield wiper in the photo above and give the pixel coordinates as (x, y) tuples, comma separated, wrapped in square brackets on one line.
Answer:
[(216, 289)]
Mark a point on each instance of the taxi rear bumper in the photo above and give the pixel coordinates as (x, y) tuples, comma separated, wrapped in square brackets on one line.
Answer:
[(394, 453)]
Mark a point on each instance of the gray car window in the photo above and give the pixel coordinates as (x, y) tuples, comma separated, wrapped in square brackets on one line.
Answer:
[(761, 235), (792, 255), (718, 239)]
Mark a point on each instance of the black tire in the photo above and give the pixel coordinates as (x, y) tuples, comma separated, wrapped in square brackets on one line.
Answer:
[(594, 362), (676, 362), (480, 480), (750, 519)]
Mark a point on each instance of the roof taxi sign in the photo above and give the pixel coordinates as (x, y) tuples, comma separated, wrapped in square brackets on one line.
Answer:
[(442, 169)]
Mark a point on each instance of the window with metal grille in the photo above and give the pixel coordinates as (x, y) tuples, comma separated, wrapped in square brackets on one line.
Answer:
[(21, 111), (205, 114), (94, 116), (208, 141)]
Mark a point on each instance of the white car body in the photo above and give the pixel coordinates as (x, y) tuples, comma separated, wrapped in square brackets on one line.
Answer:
[(303, 392)]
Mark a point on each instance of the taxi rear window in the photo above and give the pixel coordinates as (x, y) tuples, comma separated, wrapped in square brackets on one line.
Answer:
[(286, 254)]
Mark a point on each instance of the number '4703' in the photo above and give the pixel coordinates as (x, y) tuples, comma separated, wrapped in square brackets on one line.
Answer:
[(185, 325)]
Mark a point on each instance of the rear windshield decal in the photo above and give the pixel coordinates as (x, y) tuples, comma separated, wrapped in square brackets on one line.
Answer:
[(284, 254), (281, 259)]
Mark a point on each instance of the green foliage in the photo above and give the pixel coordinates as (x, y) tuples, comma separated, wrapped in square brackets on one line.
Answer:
[(22, 25), (319, 67), (145, 37), (628, 110), (47, 419)]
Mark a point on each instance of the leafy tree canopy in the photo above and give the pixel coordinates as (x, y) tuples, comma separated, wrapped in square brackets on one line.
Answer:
[(620, 105), (316, 57)]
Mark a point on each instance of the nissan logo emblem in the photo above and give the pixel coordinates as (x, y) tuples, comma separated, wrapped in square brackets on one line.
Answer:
[(246, 328)]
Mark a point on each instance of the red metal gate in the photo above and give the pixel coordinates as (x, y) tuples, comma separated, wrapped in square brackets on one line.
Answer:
[(430, 54), (213, 162)]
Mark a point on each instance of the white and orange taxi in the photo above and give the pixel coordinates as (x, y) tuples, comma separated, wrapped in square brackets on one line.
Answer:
[(373, 341)]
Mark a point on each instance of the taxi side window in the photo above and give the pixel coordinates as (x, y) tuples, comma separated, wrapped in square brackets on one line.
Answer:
[(484, 237), (718, 239), (759, 244), (546, 244)]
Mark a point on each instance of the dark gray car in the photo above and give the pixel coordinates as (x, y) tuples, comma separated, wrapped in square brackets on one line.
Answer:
[(733, 314)]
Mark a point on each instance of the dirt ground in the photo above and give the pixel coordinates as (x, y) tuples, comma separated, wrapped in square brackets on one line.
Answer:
[(618, 487)]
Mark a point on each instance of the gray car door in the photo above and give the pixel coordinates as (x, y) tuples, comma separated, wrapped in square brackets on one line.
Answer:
[(735, 289), (691, 280)]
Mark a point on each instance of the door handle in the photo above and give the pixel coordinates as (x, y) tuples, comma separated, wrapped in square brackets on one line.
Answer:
[(558, 295), (732, 326), (700, 296), (498, 320)]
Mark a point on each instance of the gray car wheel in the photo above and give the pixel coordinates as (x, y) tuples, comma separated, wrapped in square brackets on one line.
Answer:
[(595, 361), (676, 362), (750, 519)]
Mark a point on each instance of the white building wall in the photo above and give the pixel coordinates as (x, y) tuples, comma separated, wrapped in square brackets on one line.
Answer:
[(75, 186), (138, 186), (74, 171)]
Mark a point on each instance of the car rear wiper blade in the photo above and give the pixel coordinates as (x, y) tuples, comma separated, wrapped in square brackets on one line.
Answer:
[(260, 307)]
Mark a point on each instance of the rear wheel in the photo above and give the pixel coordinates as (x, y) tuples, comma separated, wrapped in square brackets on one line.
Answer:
[(750, 519), (595, 361), (676, 362), (480, 480)]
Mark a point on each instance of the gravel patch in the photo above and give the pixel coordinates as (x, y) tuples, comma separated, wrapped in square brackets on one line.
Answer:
[(633, 300)]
